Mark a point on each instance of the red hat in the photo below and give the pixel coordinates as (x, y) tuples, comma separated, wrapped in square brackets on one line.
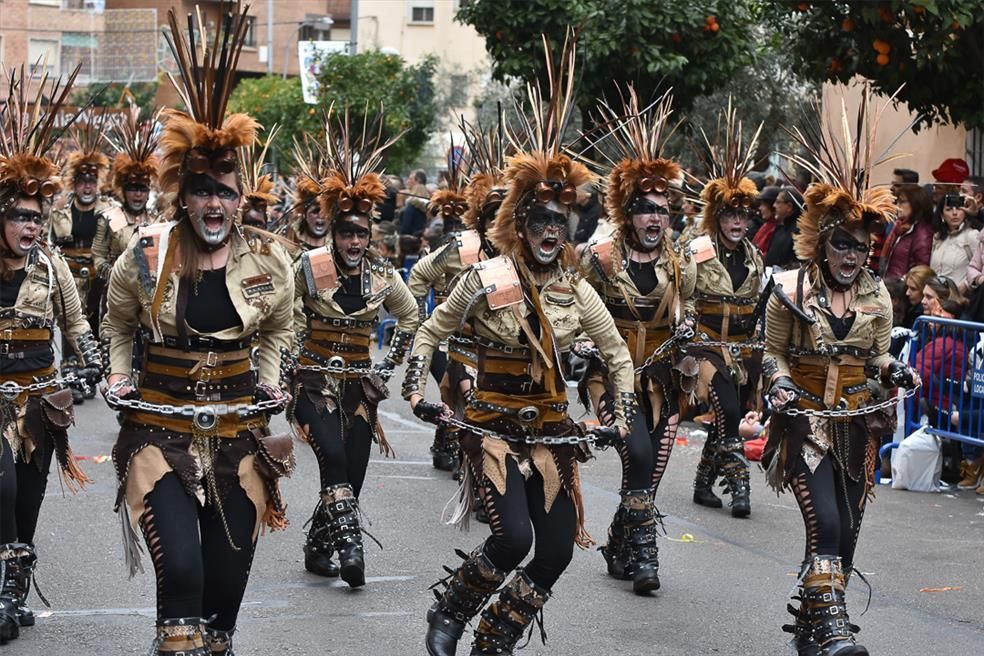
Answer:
[(952, 170)]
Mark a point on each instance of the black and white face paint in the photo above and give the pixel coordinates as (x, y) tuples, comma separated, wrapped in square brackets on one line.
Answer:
[(317, 225), (352, 239), (733, 224), (211, 205), (846, 252), (546, 232), (650, 220), (86, 190), (21, 226)]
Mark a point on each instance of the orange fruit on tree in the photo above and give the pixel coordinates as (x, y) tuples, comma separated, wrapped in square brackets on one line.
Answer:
[(710, 19), (882, 60), (804, 6), (847, 25), (715, 27), (919, 9)]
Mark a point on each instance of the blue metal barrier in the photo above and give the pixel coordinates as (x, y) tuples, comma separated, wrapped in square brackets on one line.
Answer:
[(956, 381)]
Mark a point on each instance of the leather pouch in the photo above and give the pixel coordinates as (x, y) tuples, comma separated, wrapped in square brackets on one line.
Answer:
[(58, 408), (276, 454)]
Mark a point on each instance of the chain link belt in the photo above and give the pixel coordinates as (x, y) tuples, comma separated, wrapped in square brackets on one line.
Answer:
[(735, 347), (342, 369), (9, 390), (547, 440), (841, 412), (203, 417), (663, 349)]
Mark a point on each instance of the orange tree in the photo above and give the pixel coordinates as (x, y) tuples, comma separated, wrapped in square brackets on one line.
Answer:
[(934, 47)]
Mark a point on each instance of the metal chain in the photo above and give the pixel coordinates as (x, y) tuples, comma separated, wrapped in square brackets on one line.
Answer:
[(555, 440), (838, 413), (362, 371), (731, 346), (679, 337), (10, 390), (192, 410)]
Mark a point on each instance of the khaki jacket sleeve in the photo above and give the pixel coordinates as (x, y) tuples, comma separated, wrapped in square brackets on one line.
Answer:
[(123, 312), (300, 286), (276, 329), (883, 331), (66, 303), (688, 269), (427, 272), (100, 244), (445, 320), (402, 305), (597, 324), (778, 336)]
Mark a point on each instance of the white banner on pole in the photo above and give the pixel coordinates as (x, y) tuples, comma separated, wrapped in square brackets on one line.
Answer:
[(309, 55)]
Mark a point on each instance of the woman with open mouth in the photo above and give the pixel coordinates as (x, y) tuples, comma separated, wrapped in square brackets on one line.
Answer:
[(36, 292), (647, 283), (828, 328), (341, 288), (198, 468), (524, 309)]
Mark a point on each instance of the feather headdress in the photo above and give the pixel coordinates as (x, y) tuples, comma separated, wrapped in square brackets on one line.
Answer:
[(487, 154), (354, 160), (450, 201), (727, 160), (205, 139), (87, 159), (27, 135), (541, 168), (842, 194), (134, 142), (639, 167), (257, 186)]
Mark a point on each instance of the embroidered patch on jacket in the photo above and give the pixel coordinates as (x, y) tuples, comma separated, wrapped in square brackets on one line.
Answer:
[(257, 285)]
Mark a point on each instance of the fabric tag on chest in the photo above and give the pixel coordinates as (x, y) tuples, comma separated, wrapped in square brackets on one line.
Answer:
[(257, 285)]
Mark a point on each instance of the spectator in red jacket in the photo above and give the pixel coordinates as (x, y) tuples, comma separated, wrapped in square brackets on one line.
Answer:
[(941, 362), (910, 243)]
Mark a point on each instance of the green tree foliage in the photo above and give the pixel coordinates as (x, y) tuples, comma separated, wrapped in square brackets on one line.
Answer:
[(407, 94), (117, 95), (695, 47), (272, 100), (934, 47)]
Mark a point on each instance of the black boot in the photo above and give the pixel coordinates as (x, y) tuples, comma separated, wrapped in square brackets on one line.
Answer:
[(443, 456), (802, 630), (826, 610), (180, 637), (481, 515), (20, 573), (219, 643), (318, 549), (734, 467), (466, 591), (346, 533), (503, 623), (9, 626), (704, 480), (640, 531), (616, 550)]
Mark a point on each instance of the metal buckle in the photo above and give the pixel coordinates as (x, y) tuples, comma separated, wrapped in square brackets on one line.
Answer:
[(9, 390), (205, 418), (200, 390), (336, 362), (7, 334), (211, 359), (4, 349), (528, 414)]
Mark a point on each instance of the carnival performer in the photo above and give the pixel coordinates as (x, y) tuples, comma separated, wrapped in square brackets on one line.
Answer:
[(646, 283), (828, 329), (258, 187), (525, 308), (74, 222), (36, 293), (438, 270), (309, 230), (727, 299), (340, 289), (196, 463)]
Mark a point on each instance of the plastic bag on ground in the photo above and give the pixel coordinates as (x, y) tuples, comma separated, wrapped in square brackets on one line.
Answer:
[(917, 463)]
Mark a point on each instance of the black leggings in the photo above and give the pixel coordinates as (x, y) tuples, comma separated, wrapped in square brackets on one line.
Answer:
[(832, 511), (439, 364), (726, 405), (199, 574), (518, 515), (22, 488), (645, 452), (341, 459)]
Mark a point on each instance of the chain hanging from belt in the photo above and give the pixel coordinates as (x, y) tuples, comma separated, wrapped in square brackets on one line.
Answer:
[(842, 411), (682, 336), (547, 440), (342, 369), (9, 390), (735, 347), (203, 417)]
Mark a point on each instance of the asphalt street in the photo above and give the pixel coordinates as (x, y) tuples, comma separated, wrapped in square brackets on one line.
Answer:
[(724, 588)]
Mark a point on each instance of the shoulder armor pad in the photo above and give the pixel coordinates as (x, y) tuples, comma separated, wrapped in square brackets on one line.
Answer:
[(787, 281), (602, 255), (469, 247), (116, 218), (318, 265), (703, 248), (500, 282)]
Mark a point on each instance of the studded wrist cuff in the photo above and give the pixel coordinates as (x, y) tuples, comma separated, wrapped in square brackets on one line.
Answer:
[(399, 346), (416, 377)]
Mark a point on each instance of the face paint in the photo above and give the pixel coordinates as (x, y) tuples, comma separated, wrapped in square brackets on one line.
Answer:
[(846, 252), (733, 225), (254, 217), (21, 227), (650, 220), (86, 191), (351, 240), (135, 198), (546, 234), (211, 206), (316, 224)]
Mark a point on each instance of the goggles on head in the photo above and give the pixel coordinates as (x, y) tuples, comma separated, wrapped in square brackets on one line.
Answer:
[(201, 161), (33, 187), (86, 173), (456, 208), (360, 205), (549, 190), (650, 184), (744, 202)]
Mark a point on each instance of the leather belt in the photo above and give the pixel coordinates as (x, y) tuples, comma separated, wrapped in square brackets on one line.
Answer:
[(335, 337), (25, 335), (518, 351), (197, 343), (203, 373), (329, 323), (207, 358), (227, 425), (13, 351)]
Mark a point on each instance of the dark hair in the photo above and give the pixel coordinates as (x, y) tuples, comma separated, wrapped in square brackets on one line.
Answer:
[(920, 201), (949, 295), (420, 176), (908, 175), (796, 197), (939, 225), (978, 182)]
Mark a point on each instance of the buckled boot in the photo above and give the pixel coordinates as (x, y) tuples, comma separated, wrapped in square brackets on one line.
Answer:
[(182, 636), (318, 549), (219, 643), (443, 453), (17, 583), (9, 626), (465, 593), (802, 630), (734, 468), (505, 620), (616, 550), (640, 531), (704, 480), (823, 601), (346, 533)]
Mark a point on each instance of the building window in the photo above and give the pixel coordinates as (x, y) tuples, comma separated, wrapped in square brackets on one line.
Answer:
[(422, 11), (80, 5), (79, 48), (250, 40), (37, 50)]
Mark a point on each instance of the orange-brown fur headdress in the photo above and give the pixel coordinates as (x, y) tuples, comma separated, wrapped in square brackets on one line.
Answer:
[(27, 135), (135, 142), (205, 139), (841, 162), (86, 157), (728, 161), (546, 163)]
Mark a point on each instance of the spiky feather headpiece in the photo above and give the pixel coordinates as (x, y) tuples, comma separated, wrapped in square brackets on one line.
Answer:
[(638, 167), (134, 142), (28, 134), (487, 154), (842, 165), (205, 139), (86, 140), (450, 201), (257, 187), (541, 156), (727, 159)]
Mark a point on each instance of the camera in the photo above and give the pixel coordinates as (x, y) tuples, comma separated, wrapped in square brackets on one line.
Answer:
[(953, 200)]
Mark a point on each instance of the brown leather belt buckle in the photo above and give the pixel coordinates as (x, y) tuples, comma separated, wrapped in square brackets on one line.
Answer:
[(211, 359), (200, 390)]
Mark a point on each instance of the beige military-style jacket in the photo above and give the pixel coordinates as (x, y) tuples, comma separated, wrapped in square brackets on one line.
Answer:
[(568, 301), (115, 228), (382, 287), (260, 282), (47, 297), (713, 278), (61, 218), (439, 269)]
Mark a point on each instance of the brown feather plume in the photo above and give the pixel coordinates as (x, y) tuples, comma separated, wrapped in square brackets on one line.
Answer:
[(257, 187), (86, 139), (135, 142), (487, 150)]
